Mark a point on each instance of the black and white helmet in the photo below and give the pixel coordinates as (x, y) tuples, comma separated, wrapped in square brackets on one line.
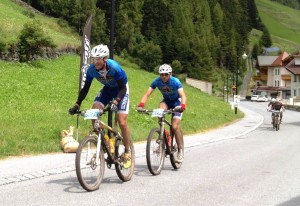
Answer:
[(100, 51), (165, 68)]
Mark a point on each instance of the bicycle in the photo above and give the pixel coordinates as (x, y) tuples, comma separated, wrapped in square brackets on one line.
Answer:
[(275, 119), (160, 142), (96, 149)]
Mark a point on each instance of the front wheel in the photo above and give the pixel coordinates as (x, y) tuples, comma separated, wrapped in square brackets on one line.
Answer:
[(155, 151), (276, 123), (89, 170), (174, 152), (123, 173)]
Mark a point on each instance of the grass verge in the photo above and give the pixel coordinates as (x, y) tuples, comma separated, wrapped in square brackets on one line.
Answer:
[(35, 99)]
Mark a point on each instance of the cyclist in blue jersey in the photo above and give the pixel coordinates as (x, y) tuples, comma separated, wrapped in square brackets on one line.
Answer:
[(173, 97), (113, 77)]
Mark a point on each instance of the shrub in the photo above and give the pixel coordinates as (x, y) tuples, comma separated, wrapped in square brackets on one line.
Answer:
[(32, 40)]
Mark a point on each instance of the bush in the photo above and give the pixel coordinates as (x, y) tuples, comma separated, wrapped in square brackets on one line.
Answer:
[(2, 46), (176, 66), (32, 40)]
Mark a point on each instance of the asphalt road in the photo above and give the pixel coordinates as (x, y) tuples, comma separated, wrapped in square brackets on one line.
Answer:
[(245, 163)]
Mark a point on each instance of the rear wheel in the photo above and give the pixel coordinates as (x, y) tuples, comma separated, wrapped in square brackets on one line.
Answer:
[(123, 173), (89, 171), (174, 152), (155, 151)]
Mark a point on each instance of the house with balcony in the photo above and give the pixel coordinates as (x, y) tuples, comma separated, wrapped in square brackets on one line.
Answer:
[(272, 78), (293, 66)]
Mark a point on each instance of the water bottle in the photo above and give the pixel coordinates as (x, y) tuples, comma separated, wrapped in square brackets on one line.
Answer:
[(112, 145), (110, 142)]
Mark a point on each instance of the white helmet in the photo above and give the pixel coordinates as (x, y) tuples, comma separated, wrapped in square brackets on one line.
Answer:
[(100, 51), (165, 68)]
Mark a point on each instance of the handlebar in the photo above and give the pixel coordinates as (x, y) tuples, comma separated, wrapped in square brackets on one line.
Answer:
[(103, 111), (169, 111), (274, 111)]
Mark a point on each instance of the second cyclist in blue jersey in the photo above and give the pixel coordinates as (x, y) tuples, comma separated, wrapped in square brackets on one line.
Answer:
[(113, 77), (173, 97)]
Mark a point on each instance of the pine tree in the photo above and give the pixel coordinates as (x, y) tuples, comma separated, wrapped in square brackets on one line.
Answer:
[(266, 38)]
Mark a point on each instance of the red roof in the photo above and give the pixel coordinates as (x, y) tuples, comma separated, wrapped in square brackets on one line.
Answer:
[(280, 58)]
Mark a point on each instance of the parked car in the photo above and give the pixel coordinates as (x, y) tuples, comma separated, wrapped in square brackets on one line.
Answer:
[(262, 98), (254, 98)]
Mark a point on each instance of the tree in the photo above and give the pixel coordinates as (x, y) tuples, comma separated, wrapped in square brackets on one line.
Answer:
[(151, 56), (32, 40), (255, 51), (266, 38)]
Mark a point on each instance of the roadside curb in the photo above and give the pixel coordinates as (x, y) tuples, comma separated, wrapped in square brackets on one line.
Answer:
[(28, 168)]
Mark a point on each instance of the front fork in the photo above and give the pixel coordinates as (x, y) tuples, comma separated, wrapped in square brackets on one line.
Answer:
[(99, 133)]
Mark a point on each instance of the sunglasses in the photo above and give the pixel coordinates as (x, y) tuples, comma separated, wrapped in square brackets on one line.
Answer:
[(97, 59), (164, 75)]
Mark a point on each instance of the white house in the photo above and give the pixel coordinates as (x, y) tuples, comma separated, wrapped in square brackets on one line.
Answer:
[(273, 79), (293, 66)]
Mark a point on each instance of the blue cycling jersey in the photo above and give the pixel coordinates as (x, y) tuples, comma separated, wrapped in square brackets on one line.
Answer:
[(114, 73), (169, 90)]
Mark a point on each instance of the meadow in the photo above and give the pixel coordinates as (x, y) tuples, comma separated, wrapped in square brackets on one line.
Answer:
[(35, 99), (283, 24)]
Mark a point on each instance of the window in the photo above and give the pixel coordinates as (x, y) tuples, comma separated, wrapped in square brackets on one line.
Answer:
[(295, 78), (277, 71), (277, 83)]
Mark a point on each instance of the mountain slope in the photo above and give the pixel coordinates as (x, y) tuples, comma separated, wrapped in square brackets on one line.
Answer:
[(282, 22), (14, 16)]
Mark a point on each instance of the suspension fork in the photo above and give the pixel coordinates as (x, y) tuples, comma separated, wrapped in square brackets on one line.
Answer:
[(161, 122), (100, 133)]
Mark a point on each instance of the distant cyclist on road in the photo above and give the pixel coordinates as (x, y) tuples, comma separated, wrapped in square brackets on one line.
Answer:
[(173, 97), (109, 73), (277, 105)]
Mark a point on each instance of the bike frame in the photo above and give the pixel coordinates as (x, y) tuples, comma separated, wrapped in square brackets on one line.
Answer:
[(90, 165), (156, 151), (99, 128), (162, 122)]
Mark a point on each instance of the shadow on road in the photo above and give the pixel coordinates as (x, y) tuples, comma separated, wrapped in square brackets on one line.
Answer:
[(292, 202)]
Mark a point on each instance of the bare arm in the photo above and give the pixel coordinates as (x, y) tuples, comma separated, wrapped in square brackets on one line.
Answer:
[(182, 96), (146, 95)]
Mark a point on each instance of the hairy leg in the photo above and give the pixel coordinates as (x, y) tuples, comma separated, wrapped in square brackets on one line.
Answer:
[(96, 105), (177, 132), (122, 121)]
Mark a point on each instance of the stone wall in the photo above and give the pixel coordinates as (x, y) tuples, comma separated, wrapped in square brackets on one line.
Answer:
[(204, 86), (13, 55), (292, 107)]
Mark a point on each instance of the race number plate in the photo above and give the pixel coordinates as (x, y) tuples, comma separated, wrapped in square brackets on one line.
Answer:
[(157, 113), (91, 114)]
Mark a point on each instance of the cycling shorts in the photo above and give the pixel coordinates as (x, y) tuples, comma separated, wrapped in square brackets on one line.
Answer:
[(172, 105), (107, 94)]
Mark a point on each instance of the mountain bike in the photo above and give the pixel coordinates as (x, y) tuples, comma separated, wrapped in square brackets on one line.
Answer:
[(97, 148), (160, 142), (275, 118)]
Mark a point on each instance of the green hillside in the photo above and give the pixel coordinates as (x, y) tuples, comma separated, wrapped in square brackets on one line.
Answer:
[(14, 16), (282, 22), (35, 99)]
